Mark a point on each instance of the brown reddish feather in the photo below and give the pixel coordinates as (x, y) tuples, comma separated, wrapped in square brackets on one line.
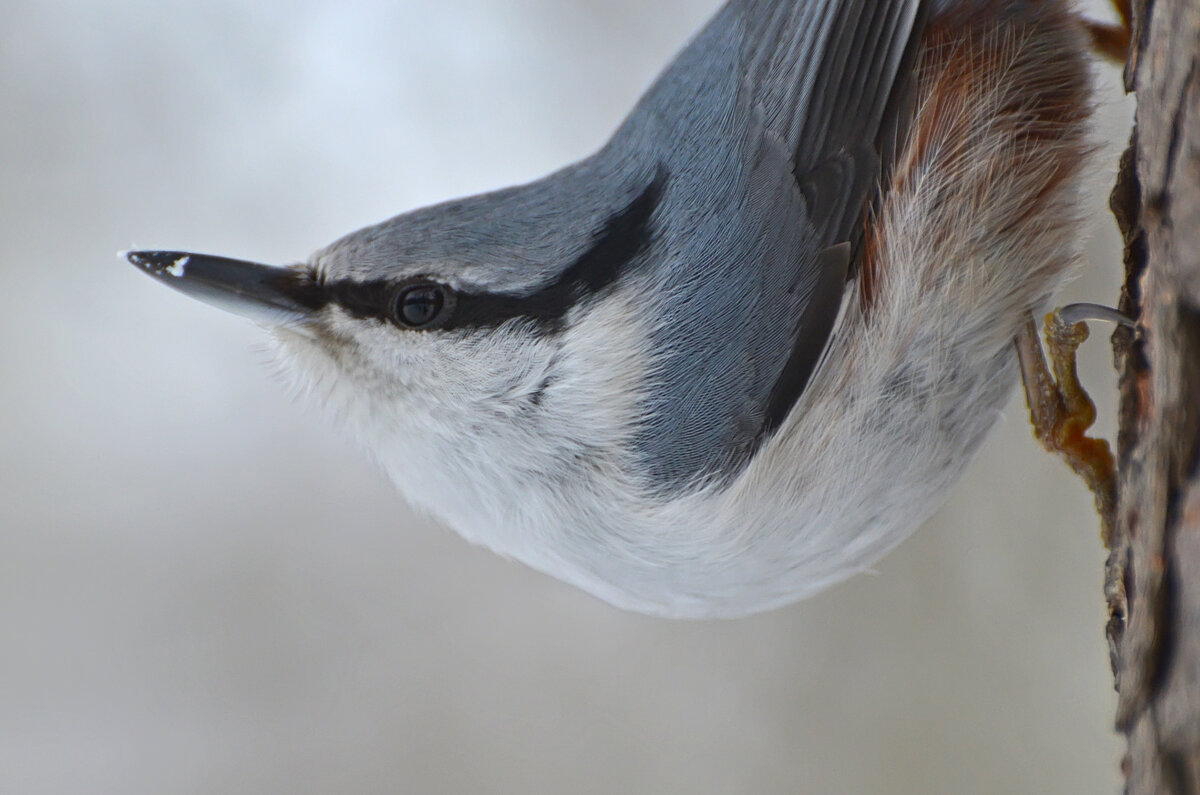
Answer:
[(966, 53)]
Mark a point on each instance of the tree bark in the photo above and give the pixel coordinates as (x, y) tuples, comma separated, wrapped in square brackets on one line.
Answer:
[(1153, 577)]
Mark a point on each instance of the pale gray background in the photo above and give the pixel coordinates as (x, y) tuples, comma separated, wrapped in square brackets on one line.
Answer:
[(205, 590)]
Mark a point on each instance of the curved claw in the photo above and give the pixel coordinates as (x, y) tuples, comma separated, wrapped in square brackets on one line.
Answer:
[(1083, 312)]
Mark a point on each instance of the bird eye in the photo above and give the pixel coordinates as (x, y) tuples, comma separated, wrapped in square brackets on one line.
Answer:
[(421, 305)]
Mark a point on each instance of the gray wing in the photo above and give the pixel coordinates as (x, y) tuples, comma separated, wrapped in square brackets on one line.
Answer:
[(772, 128), (832, 78)]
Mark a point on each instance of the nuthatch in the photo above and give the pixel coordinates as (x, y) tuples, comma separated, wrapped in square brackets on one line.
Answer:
[(742, 351)]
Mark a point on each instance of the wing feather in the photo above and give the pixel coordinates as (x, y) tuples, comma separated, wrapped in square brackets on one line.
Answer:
[(773, 127)]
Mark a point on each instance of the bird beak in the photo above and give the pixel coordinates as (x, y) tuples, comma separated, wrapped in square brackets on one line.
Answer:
[(267, 294)]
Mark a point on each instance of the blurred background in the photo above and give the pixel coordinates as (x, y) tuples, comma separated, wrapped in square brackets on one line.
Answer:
[(205, 589)]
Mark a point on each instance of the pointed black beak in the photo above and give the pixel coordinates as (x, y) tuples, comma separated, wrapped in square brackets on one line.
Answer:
[(267, 294)]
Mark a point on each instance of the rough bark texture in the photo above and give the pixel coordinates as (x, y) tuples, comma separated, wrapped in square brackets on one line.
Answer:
[(1154, 572)]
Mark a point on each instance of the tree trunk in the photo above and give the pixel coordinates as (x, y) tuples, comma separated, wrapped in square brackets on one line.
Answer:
[(1153, 580)]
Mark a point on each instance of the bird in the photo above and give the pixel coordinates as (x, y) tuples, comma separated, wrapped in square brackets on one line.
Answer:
[(744, 349)]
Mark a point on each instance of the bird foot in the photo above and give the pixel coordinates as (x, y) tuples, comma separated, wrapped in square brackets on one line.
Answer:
[(1112, 40), (1060, 409)]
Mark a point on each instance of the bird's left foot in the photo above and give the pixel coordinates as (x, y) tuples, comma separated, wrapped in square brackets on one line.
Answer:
[(1112, 40), (1060, 409)]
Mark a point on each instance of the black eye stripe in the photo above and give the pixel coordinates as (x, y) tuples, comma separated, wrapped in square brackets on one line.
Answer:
[(362, 299), (623, 238)]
